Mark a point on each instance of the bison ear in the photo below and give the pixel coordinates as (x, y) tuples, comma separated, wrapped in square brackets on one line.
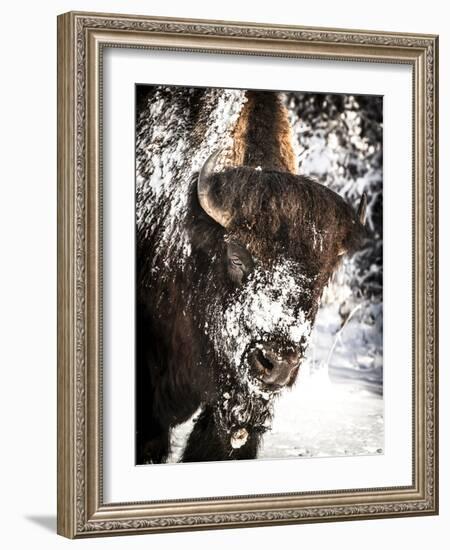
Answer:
[(361, 215), (362, 209)]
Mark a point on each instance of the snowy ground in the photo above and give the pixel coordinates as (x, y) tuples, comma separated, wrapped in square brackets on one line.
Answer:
[(324, 418), (336, 405)]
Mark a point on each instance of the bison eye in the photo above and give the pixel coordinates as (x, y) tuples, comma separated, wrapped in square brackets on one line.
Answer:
[(239, 262), (236, 271)]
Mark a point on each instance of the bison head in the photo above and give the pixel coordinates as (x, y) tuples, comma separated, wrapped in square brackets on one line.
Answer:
[(274, 241)]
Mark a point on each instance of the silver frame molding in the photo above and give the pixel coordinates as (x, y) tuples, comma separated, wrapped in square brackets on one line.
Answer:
[(81, 38)]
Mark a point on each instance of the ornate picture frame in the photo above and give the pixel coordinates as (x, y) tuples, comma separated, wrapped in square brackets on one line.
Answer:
[(82, 38)]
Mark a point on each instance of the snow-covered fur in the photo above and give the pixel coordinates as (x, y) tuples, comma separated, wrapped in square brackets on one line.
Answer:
[(197, 322)]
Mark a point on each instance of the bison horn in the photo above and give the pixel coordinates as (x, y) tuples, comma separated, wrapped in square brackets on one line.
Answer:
[(362, 209), (203, 192)]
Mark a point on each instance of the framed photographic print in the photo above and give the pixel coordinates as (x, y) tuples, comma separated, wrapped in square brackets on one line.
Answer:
[(247, 274)]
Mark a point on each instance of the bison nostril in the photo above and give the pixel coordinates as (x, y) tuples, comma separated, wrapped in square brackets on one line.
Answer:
[(264, 361), (293, 357)]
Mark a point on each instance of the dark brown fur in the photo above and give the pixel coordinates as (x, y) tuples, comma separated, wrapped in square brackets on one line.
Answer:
[(286, 212)]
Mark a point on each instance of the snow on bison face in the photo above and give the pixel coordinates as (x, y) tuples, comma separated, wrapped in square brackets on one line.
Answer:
[(266, 323), (260, 330)]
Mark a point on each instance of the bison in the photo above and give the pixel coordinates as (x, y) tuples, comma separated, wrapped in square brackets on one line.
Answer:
[(230, 268)]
